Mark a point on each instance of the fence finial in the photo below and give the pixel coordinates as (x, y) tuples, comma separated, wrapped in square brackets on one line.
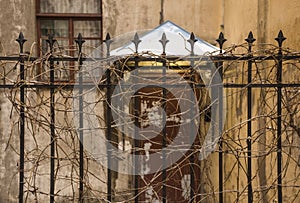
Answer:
[(80, 42), (280, 38), (21, 40), (192, 41), (108, 42), (250, 39), (221, 40), (136, 40), (164, 42), (51, 41)]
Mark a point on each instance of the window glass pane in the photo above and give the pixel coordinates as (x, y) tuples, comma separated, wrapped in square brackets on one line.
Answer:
[(59, 28), (61, 68), (89, 47), (61, 47), (70, 6), (87, 28)]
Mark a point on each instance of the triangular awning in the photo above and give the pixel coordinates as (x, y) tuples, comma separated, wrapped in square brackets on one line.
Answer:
[(177, 45)]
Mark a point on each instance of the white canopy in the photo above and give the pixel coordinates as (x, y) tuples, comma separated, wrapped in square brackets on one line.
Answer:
[(177, 45)]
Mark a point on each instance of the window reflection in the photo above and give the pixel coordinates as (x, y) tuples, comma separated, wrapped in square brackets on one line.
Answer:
[(57, 27)]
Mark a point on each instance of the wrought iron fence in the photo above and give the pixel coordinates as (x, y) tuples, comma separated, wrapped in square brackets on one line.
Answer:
[(264, 78)]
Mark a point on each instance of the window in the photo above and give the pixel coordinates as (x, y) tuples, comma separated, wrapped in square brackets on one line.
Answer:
[(65, 19)]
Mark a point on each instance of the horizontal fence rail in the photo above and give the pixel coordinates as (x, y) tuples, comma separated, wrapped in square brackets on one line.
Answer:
[(222, 60)]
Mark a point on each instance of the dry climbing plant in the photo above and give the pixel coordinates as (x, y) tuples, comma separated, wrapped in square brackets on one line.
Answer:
[(234, 137)]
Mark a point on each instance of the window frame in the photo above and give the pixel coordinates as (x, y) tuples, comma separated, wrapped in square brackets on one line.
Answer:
[(70, 17)]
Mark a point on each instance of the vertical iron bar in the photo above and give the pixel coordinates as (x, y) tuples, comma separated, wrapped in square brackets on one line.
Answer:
[(192, 41), (22, 129), (21, 40), (164, 42), (80, 42), (51, 42), (250, 40), (109, 152), (136, 40), (136, 138), (108, 42), (279, 113), (221, 40), (249, 133), (280, 40), (192, 157), (164, 138), (220, 124), (81, 161), (52, 109)]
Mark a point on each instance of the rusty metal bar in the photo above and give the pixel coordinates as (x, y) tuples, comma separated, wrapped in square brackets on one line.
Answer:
[(164, 138), (164, 42), (107, 42), (221, 40), (109, 132), (250, 41), (216, 58), (280, 38), (79, 41), (21, 40), (225, 85), (51, 42), (136, 141), (192, 40)]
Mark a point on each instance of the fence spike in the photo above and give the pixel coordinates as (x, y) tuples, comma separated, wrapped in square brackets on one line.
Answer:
[(80, 42), (192, 41), (164, 42), (136, 40), (250, 39), (221, 40), (21, 40), (108, 42), (280, 38), (51, 41)]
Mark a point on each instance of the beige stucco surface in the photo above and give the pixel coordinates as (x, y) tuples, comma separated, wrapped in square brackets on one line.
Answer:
[(203, 17)]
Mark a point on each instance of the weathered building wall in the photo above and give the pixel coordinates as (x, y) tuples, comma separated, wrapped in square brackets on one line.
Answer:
[(123, 17), (264, 18), (205, 18), (15, 16)]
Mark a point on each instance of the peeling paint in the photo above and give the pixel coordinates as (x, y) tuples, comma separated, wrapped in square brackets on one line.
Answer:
[(150, 196), (185, 186), (145, 167)]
